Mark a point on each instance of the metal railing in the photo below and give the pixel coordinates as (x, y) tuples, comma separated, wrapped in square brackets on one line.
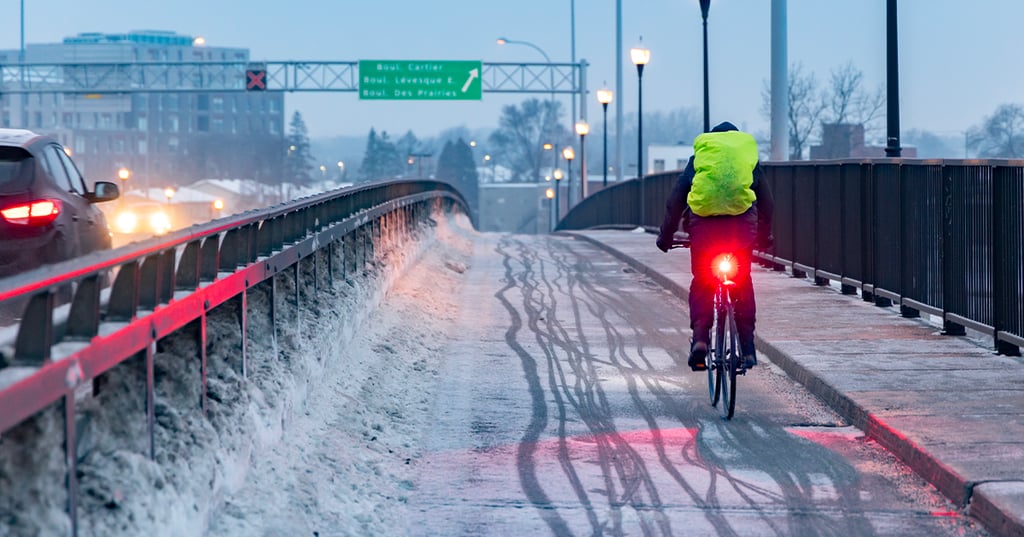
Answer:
[(943, 237), (163, 284)]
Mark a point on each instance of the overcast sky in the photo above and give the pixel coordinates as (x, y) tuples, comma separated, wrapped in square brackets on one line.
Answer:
[(959, 60)]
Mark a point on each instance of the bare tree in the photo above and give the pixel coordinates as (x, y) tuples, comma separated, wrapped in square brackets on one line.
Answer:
[(1001, 135), (806, 106), (522, 132), (849, 102), (845, 100)]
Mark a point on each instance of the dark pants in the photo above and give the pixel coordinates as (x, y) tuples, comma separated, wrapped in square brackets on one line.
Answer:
[(709, 237)]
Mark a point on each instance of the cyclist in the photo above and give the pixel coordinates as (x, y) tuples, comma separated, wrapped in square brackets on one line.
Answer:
[(725, 206)]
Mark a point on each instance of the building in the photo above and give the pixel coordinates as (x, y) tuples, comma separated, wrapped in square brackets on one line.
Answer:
[(662, 158), (165, 139), (846, 140)]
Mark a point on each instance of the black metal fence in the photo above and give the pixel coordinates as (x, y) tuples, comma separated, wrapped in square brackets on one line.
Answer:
[(943, 237)]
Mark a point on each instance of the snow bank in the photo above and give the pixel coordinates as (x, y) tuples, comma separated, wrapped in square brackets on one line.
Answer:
[(315, 440)]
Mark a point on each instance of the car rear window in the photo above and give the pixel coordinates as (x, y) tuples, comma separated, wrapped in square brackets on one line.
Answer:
[(15, 169)]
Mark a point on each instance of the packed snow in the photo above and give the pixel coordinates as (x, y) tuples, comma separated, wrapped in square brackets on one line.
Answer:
[(320, 439)]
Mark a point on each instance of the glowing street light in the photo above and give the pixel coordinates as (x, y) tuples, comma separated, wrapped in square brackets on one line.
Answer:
[(168, 193), (583, 129), (640, 57), (605, 97)]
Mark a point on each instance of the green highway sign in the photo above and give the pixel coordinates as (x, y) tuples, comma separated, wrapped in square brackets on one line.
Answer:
[(420, 80)]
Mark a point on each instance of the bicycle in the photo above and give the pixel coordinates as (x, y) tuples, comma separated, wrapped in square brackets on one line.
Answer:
[(724, 361)]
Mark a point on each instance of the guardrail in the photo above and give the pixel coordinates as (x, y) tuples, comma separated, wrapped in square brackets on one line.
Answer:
[(943, 237), (161, 285)]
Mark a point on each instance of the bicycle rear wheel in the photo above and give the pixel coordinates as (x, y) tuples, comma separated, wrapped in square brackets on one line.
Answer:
[(714, 360), (730, 362)]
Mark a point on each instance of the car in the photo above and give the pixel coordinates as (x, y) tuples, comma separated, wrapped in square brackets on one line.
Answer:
[(47, 212), (140, 220)]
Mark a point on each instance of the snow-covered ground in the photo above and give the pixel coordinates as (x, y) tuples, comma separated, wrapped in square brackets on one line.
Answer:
[(319, 439)]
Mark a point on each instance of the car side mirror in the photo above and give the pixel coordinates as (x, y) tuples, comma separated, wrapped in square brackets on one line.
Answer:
[(105, 191)]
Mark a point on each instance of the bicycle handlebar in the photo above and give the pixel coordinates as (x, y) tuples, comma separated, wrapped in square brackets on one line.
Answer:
[(679, 243)]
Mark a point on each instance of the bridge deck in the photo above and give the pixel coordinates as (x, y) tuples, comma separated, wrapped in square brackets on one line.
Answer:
[(948, 406)]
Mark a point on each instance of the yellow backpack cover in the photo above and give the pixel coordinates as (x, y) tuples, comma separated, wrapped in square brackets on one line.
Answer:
[(724, 164)]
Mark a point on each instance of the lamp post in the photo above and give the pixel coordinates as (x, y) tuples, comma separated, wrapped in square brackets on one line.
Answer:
[(124, 174), (168, 193), (551, 147), (551, 108), (640, 57), (583, 129), (704, 6), (605, 96), (549, 194), (568, 154), (341, 170), (557, 174)]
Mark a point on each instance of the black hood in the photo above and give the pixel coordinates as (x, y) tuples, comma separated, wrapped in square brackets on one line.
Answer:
[(724, 126)]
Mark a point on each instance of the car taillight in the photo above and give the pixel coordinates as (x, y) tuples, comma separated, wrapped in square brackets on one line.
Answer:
[(35, 213)]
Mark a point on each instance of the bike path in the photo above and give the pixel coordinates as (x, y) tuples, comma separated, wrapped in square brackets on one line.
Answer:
[(948, 406)]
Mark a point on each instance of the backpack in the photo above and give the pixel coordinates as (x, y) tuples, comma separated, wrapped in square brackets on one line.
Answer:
[(723, 163)]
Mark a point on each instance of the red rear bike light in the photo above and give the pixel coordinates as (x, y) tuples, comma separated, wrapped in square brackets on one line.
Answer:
[(725, 266), (34, 213)]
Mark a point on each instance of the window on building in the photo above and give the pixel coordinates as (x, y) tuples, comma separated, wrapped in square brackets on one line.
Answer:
[(172, 144), (172, 123), (118, 146), (659, 165), (203, 124), (79, 145), (275, 105), (218, 104), (143, 123), (170, 101), (66, 119), (218, 125), (37, 119), (203, 102), (681, 163), (274, 127), (143, 147)]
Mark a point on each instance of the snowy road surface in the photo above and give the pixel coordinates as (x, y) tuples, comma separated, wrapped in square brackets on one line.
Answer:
[(539, 392)]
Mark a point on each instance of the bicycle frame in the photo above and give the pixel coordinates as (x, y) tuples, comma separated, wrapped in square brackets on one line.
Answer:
[(723, 360)]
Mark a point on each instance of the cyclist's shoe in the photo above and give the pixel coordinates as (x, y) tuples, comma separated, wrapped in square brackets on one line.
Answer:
[(749, 360), (698, 352)]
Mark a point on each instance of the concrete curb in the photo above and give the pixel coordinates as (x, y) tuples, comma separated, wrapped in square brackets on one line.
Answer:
[(992, 504)]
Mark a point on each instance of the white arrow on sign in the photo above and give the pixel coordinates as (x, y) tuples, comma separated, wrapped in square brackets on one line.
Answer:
[(472, 74)]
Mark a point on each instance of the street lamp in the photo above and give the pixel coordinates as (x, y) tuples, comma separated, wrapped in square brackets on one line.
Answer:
[(123, 174), (341, 170), (551, 67), (557, 174), (605, 96), (640, 57), (168, 193), (323, 170), (583, 129), (550, 195), (704, 6), (568, 154)]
